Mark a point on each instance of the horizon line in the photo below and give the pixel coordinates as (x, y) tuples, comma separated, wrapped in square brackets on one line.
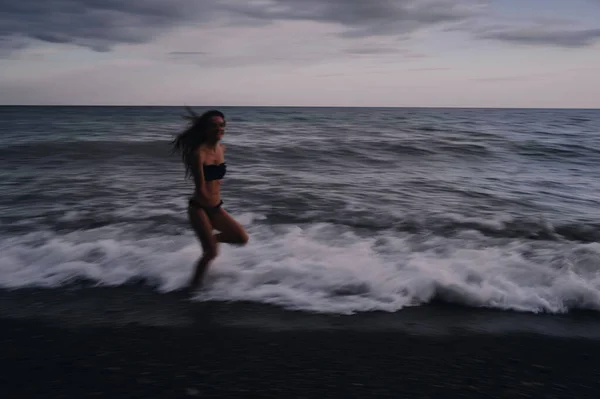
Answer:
[(296, 106)]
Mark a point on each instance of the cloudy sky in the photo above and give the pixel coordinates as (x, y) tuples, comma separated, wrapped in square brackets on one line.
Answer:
[(455, 53)]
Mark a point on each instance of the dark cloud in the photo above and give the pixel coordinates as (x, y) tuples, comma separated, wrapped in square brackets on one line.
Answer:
[(97, 24), (100, 24), (364, 18), (543, 36)]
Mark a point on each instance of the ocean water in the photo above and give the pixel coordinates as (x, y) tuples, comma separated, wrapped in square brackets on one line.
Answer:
[(348, 209)]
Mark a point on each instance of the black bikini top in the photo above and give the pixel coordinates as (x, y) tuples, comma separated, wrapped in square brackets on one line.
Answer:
[(214, 172)]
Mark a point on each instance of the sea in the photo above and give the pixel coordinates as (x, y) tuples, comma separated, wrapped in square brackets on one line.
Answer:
[(349, 210)]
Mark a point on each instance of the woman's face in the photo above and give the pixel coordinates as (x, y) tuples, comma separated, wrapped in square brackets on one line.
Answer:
[(216, 128)]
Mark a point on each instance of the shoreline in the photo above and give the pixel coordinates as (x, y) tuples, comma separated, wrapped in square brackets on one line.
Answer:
[(141, 305)]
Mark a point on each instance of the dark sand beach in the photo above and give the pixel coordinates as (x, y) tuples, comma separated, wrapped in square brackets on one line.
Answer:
[(129, 342)]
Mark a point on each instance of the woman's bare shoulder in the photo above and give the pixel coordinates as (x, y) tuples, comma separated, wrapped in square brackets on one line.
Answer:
[(201, 150)]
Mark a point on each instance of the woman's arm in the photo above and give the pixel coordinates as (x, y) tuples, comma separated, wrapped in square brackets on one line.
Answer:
[(198, 173)]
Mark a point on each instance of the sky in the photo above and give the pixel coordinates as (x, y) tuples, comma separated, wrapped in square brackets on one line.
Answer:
[(391, 53)]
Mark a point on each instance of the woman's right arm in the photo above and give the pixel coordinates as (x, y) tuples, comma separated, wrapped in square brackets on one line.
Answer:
[(198, 173)]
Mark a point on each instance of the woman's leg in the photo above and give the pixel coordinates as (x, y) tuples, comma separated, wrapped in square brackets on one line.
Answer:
[(230, 231), (203, 228)]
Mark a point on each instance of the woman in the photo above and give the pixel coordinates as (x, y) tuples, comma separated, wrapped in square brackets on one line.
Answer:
[(203, 157)]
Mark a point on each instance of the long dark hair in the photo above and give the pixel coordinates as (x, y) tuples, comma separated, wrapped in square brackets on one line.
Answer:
[(193, 136)]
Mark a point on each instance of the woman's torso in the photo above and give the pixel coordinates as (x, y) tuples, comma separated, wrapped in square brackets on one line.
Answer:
[(213, 169)]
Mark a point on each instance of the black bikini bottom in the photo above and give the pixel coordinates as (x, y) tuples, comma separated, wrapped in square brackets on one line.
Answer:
[(210, 210)]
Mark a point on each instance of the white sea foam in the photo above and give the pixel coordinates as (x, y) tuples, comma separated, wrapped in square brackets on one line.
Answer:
[(321, 267)]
